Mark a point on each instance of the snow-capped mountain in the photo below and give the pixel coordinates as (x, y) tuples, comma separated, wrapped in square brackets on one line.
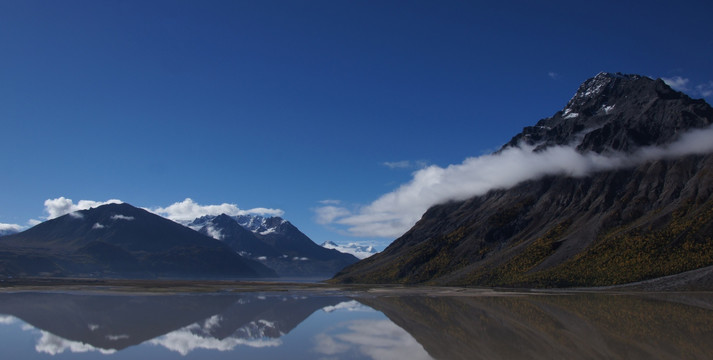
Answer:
[(274, 242), (360, 251)]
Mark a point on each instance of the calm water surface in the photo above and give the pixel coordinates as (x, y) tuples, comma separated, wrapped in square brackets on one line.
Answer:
[(36, 325)]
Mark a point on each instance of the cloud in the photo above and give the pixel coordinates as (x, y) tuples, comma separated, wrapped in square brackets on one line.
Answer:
[(188, 210), (62, 206), (405, 164), (682, 84), (393, 213), (7, 229), (122, 217), (677, 83), (330, 202), (705, 90), (553, 75), (98, 226), (327, 214)]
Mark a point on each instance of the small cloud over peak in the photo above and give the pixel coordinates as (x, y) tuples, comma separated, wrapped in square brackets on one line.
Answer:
[(188, 210), (62, 206), (553, 75)]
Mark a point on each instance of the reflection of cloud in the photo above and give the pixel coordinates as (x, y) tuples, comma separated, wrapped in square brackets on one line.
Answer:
[(185, 340), (53, 345), (351, 305), (7, 320), (378, 339)]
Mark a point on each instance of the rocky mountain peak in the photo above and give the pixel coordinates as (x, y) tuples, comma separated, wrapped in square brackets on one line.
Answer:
[(618, 112)]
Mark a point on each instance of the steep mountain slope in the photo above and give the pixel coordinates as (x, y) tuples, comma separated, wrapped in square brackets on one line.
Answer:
[(611, 227), (276, 243), (120, 240)]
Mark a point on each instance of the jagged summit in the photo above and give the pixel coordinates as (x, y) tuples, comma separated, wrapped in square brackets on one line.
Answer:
[(618, 112)]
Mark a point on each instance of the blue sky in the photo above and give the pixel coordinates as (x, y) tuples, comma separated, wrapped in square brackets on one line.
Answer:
[(314, 109)]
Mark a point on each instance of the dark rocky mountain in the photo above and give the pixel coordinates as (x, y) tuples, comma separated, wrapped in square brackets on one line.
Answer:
[(119, 240), (276, 243), (611, 227)]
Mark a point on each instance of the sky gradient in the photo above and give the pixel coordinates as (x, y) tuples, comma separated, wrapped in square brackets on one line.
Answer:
[(310, 110)]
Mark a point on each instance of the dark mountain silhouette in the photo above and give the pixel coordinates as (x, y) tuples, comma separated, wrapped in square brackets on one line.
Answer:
[(276, 243), (611, 227), (119, 240)]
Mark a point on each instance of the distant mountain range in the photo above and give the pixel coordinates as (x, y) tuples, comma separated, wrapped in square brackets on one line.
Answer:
[(644, 216), (274, 242), (119, 240), (360, 251)]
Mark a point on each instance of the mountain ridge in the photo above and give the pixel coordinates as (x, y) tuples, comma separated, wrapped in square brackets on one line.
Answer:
[(276, 243), (118, 240), (610, 227)]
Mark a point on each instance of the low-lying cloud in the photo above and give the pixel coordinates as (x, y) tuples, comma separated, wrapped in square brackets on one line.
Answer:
[(62, 206), (7, 229), (188, 210), (394, 213)]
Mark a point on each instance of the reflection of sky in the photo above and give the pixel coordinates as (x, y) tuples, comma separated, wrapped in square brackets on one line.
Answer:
[(376, 339)]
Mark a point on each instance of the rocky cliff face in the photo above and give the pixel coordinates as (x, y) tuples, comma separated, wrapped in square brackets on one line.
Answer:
[(647, 220)]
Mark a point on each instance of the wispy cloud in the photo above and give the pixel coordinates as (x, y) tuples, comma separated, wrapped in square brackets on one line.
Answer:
[(188, 210), (684, 85), (327, 214), (705, 90), (122, 217), (677, 83), (62, 206), (393, 213), (330, 202), (405, 164), (553, 75)]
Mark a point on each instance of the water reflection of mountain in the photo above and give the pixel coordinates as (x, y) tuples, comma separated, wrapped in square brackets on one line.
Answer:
[(115, 322), (586, 326)]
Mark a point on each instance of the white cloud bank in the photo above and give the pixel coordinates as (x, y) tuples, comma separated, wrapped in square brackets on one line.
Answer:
[(188, 210), (393, 213), (62, 206), (6, 229)]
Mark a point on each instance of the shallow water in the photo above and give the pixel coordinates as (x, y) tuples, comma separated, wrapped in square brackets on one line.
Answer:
[(310, 325)]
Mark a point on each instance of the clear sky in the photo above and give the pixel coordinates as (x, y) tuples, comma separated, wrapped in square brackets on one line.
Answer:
[(314, 109)]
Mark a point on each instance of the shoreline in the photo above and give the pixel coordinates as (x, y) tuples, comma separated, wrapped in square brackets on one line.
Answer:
[(183, 286)]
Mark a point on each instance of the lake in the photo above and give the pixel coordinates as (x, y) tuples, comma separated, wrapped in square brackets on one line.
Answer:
[(356, 325)]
